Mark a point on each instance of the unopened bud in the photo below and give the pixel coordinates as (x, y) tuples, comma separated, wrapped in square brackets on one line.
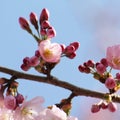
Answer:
[(34, 20), (24, 24), (44, 15)]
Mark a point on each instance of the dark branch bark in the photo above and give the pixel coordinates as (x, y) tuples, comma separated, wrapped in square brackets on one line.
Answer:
[(60, 83)]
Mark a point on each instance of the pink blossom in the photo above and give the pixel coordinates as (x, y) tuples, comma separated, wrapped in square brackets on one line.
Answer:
[(6, 114), (52, 114), (50, 52), (110, 83), (72, 118), (29, 109), (113, 56)]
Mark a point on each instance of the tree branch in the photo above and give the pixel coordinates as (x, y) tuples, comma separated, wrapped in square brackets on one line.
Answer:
[(60, 83)]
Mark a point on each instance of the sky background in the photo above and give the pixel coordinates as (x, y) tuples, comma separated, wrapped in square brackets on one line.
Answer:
[(94, 23)]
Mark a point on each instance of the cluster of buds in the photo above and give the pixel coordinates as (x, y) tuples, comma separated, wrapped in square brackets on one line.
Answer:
[(70, 50), (45, 30), (112, 107), (48, 54), (9, 96), (101, 72)]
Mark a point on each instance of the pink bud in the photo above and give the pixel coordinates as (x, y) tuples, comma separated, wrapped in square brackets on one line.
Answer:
[(43, 32), (76, 45), (10, 102), (104, 62), (25, 67), (63, 47), (118, 76), (44, 15), (24, 24), (51, 32), (81, 68), (100, 68), (26, 60), (45, 24), (34, 20), (112, 107), (34, 61), (95, 108), (69, 49), (104, 105), (110, 83), (37, 53), (19, 98), (90, 63), (72, 55)]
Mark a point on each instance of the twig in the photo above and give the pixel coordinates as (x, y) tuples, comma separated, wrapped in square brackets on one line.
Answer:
[(60, 83)]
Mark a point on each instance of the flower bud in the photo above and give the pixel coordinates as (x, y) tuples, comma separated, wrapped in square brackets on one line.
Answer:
[(81, 68), (45, 24), (19, 98), (110, 83), (76, 45), (63, 47), (37, 53), (95, 108), (44, 15), (72, 55), (51, 32), (24, 24), (100, 68), (118, 76), (10, 102), (25, 67), (34, 20), (112, 107), (34, 61), (69, 49), (104, 62), (90, 63)]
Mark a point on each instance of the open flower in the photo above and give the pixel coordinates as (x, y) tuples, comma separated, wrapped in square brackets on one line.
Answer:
[(29, 109), (113, 56), (50, 52)]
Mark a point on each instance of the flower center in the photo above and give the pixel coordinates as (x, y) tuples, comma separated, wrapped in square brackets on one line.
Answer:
[(47, 53), (116, 61), (25, 111)]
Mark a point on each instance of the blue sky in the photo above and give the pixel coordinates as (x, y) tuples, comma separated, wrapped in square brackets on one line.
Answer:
[(95, 24)]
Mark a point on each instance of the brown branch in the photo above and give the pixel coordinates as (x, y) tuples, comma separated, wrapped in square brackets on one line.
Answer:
[(60, 83)]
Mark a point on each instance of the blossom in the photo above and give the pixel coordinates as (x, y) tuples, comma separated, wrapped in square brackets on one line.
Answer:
[(52, 114), (50, 52), (6, 114), (113, 56), (29, 109)]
